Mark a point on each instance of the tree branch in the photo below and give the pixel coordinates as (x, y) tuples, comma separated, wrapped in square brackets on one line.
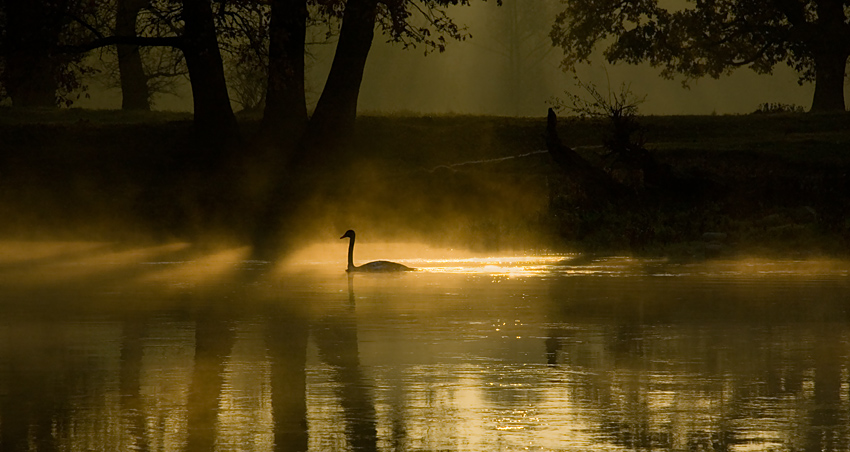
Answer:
[(176, 42)]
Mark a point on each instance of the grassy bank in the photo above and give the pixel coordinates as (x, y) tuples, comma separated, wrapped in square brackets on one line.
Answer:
[(447, 180)]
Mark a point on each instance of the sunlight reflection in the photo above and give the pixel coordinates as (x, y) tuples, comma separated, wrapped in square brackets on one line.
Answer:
[(59, 261), (15, 252), (200, 269), (332, 256)]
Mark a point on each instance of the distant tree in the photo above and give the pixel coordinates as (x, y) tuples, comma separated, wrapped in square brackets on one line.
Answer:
[(140, 72), (714, 37), (188, 25), (134, 82), (518, 33)]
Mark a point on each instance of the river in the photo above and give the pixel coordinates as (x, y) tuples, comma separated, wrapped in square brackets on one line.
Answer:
[(170, 348)]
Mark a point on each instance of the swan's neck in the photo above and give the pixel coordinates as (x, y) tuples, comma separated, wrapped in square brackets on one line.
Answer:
[(351, 254)]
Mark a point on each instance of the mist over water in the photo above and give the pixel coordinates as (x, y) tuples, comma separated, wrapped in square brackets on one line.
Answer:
[(174, 348)]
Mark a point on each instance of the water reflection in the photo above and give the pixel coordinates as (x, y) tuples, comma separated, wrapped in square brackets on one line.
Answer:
[(549, 354)]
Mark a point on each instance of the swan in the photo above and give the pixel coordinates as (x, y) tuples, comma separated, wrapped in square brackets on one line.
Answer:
[(372, 267)]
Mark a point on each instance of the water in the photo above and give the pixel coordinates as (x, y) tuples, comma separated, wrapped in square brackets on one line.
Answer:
[(172, 349)]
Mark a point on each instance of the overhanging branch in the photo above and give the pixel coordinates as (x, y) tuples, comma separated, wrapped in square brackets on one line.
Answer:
[(175, 41)]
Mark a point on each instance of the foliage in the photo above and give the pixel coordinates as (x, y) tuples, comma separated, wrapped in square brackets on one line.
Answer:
[(706, 38), (35, 28), (421, 22)]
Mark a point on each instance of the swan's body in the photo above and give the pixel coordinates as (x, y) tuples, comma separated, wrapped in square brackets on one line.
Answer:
[(372, 267)]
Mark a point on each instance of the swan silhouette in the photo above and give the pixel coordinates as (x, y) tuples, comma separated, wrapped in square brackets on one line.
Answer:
[(371, 267)]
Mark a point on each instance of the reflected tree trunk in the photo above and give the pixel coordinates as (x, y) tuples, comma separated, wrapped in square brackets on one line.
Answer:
[(213, 343), (134, 82), (287, 337), (35, 412), (825, 430), (14, 414), (131, 368), (336, 337)]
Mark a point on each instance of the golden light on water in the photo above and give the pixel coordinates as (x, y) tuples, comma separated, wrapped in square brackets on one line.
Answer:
[(198, 269), (473, 352), (332, 256), (30, 262)]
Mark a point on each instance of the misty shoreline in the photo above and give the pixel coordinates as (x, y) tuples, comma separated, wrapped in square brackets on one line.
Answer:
[(464, 181)]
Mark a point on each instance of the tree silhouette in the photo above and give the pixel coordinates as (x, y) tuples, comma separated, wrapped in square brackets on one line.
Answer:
[(712, 38)]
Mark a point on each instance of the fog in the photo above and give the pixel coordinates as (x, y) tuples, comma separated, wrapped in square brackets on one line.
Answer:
[(474, 77)]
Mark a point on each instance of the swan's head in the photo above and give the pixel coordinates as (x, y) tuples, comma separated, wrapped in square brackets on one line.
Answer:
[(348, 233)]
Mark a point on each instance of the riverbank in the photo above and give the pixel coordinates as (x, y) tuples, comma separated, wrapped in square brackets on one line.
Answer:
[(477, 182)]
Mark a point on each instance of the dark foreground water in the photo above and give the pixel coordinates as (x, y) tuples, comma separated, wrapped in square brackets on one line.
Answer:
[(164, 349)]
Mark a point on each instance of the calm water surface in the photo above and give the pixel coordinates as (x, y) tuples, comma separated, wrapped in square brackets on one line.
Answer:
[(172, 349)]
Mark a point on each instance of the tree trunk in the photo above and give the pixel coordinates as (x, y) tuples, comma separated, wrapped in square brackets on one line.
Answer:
[(30, 73), (829, 82), (215, 123), (134, 82), (285, 115), (333, 119), (332, 122)]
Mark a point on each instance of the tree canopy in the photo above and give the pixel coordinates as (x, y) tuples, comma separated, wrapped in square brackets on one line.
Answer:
[(714, 37)]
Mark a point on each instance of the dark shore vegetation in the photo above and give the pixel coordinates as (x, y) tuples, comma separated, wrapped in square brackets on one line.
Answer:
[(773, 184)]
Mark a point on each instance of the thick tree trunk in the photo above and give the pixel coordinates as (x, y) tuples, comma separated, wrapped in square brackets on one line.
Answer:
[(829, 82), (285, 115), (134, 82), (333, 119), (215, 123), (331, 123), (30, 73)]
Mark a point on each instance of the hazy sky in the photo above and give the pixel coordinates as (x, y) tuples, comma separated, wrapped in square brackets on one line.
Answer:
[(470, 78)]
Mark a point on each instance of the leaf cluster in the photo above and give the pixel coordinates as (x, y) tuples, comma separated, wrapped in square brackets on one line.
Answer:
[(705, 37), (424, 23)]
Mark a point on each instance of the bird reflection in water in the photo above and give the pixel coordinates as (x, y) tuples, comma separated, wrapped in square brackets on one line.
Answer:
[(335, 334)]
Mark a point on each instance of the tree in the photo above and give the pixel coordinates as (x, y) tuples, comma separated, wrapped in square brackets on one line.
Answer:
[(517, 33), (714, 37), (215, 123), (214, 116), (409, 22), (134, 82), (285, 114), (334, 115), (33, 74)]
